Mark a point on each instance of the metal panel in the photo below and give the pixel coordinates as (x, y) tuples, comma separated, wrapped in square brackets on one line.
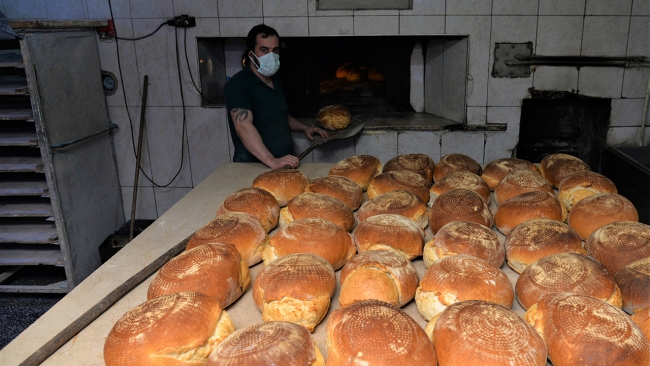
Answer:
[(454, 79), (364, 4), (68, 103)]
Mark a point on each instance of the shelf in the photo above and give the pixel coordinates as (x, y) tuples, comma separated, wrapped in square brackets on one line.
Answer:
[(13, 85), (13, 139), (26, 209), (16, 114), (55, 288), (11, 58), (24, 188), (14, 164), (31, 257), (41, 233)]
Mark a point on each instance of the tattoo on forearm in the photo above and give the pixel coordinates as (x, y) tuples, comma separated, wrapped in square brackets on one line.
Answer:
[(239, 115)]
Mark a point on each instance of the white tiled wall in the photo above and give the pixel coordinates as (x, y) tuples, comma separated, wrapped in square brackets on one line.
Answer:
[(555, 27)]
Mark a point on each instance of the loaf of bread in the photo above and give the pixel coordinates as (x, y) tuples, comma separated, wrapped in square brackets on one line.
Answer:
[(390, 232), (483, 333), (254, 201), (496, 170), (295, 288), (379, 275), (374, 74), (642, 319), (283, 184), (242, 230), (528, 206), (599, 210), (334, 117), (459, 205), (343, 71), (464, 237), (455, 163), (583, 184), (372, 332), (360, 168), (618, 244), (175, 329), (402, 203), (416, 163), (216, 270), (634, 281), (556, 167), (339, 187), (460, 180), (319, 206), (354, 75), (535, 239), (518, 182), (399, 181), (315, 236)]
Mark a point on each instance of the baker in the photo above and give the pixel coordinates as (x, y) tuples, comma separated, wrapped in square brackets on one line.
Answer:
[(258, 116)]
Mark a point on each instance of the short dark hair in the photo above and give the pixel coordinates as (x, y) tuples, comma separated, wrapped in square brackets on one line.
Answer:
[(251, 39)]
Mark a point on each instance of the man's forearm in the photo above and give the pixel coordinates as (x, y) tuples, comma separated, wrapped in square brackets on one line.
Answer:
[(295, 125)]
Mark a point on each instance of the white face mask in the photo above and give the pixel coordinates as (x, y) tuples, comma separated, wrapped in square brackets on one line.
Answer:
[(268, 64)]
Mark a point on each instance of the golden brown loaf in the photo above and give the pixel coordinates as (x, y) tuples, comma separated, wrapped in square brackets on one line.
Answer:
[(334, 117), (518, 182), (582, 330), (459, 205), (642, 319), (175, 329), (319, 206), (216, 270), (527, 206), (455, 163), (566, 272), (464, 237), (283, 184), (268, 344), (390, 232), (296, 288), (537, 238), (483, 333), (254, 201), (399, 181), (579, 185), (618, 244), (464, 180), (342, 72), (459, 278), (634, 281), (374, 74), (339, 187), (556, 167), (315, 236), (599, 210), (360, 168), (379, 275), (496, 170), (416, 163), (240, 229), (402, 203), (372, 332), (354, 75)]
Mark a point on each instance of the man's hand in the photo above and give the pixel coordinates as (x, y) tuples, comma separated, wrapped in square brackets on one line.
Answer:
[(312, 130), (287, 161)]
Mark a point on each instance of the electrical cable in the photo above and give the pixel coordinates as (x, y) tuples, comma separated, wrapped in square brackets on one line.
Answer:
[(143, 37), (190, 71)]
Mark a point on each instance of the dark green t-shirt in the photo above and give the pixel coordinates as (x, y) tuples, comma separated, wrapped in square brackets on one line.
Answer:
[(270, 113)]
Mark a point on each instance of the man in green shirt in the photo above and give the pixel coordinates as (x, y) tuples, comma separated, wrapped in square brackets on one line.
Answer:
[(260, 124)]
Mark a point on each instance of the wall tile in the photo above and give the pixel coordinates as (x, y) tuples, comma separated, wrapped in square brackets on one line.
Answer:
[(559, 35), (507, 92), (463, 142), (207, 135), (639, 38), (66, 9), (289, 26), (284, 8), (469, 7), (167, 197), (628, 113), (381, 144), (145, 207), (197, 8), (123, 142), (640, 7), (476, 115), (421, 24), (237, 27), (555, 78), (624, 136), (142, 9), (608, 7), (561, 7), (426, 7), (604, 82), (635, 82), (501, 144), (509, 7), (300, 144), (240, 8), (331, 26), (605, 36), (334, 151), (423, 142), (376, 25), (98, 9), (25, 9), (514, 29), (311, 9)]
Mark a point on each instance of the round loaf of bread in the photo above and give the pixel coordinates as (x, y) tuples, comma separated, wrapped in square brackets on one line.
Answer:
[(240, 229), (483, 333), (416, 163), (254, 201), (379, 275), (535, 239), (319, 206), (342, 72), (618, 244), (460, 180), (402, 203), (460, 278), (345, 189), (283, 184), (390, 232), (372, 332), (295, 288), (634, 281), (374, 74), (459, 205), (556, 167), (518, 182), (527, 206), (455, 163), (642, 319), (268, 344), (354, 75), (599, 210), (464, 237), (360, 168), (334, 117), (581, 185), (399, 181), (566, 272), (216, 270), (582, 330), (175, 329), (496, 170), (315, 236)]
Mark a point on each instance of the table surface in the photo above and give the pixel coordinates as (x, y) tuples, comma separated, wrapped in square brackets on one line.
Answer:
[(192, 212)]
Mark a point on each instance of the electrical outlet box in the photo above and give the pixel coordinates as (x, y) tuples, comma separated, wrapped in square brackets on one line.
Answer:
[(185, 21)]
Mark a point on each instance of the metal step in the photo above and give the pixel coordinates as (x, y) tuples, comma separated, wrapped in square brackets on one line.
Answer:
[(16, 114), (31, 257), (21, 164), (21, 188), (13, 85), (11, 58), (36, 233), (13, 139), (26, 209)]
